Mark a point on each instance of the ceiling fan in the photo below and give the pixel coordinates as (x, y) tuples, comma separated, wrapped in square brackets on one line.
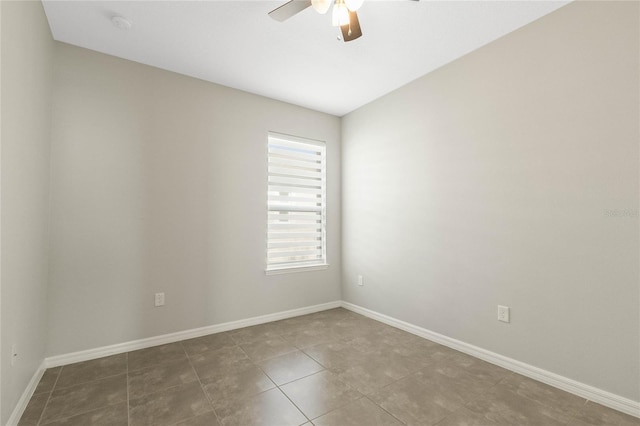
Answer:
[(343, 14)]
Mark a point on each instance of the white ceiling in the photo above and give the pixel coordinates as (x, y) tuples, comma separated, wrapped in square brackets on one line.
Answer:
[(235, 43)]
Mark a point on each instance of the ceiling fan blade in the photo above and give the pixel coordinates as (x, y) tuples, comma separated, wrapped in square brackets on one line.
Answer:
[(289, 9), (352, 30)]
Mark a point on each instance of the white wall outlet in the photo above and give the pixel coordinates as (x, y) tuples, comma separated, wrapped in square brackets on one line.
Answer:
[(503, 313), (14, 354), (159, 299), (360, 280)]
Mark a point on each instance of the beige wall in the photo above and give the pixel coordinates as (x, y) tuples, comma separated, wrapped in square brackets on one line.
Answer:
[(27, 58), (489, 182), (159, 185)]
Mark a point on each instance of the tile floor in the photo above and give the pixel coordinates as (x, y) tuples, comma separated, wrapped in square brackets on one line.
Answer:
[(330, 368)]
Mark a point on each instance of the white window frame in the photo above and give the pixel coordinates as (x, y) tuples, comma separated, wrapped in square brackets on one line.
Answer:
[(290, 166)]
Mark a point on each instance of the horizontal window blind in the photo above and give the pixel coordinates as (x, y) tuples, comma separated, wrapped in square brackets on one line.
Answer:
[(296, 200)]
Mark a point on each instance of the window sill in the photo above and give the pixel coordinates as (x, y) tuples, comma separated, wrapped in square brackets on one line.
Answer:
[(291, 270)]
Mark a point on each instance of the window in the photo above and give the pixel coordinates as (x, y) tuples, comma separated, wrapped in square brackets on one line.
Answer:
[(296, 200)]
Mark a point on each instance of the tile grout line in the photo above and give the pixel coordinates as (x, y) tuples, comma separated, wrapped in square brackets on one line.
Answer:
[(159, 365), (346, 341), (384, 409), (364, 395), (572, 417), (325, 368), (294, 404), (301, 377), (479, 397), (80, 384), (283, 392), (50, 394), (338, 408), (381, 387), (81, 413), (206, 394), (128, 407), (255, 363), (94, 380)]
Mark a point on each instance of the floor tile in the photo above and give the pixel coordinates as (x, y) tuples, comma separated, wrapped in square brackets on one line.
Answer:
[(296, 323), (48, 380), (234, 382), (343, 333), (88, 371), (153, 379), (481, 369), (267, 348), (594, 414), (308, 336), (397, 365), (320, 393), (310, 320), (324, 363), (270, 408), (156, 356), (365, 325), (332, 313), (216, 367), (255, 333), (220, 357), (425, 353), (357, 413), (394, 337), (349, 319), (112, 415), (464, 417), (366, 377), (289, 367), (543, 394), (67, 402), (413, 403), (505, 407), (208, 343), (368, 342), (35, 407), (576, 422), (454, 381), (168, 406), (335, 355), (207, 419)]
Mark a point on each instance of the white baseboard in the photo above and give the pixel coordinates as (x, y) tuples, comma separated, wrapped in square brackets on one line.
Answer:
[(591, 393), (119, 348), (588, 392), (14, 418), (89, 354)]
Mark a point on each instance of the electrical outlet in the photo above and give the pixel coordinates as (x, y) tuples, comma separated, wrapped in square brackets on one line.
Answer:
[(503, 313), (360, 280), (14, 354), (159, 299)]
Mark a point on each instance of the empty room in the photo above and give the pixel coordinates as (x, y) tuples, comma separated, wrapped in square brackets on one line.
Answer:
[(319, 212)]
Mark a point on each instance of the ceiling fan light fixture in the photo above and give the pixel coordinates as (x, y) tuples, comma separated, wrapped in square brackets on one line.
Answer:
[(340, 14), (353, 5), (321, 6)]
